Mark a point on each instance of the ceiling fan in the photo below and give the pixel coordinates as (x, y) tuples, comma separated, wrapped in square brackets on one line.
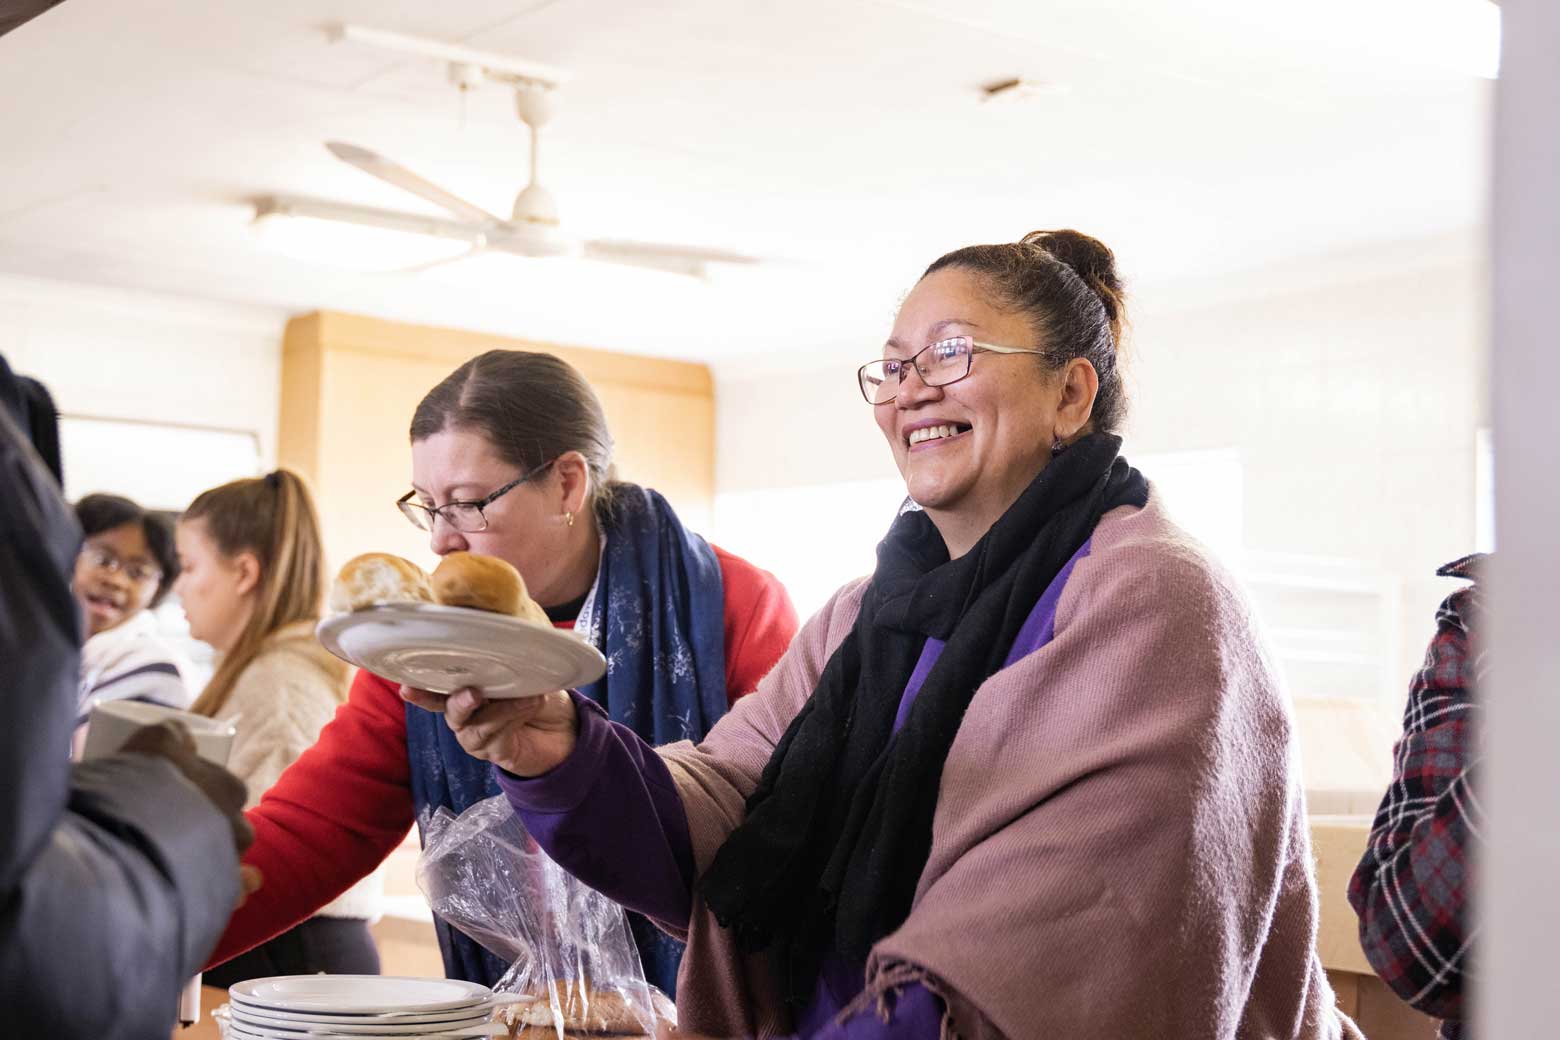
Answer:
[(531, 230)]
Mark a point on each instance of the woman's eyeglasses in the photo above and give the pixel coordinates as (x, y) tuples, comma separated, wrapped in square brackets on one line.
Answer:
[(138, 571), (938, 364), (465, 517)]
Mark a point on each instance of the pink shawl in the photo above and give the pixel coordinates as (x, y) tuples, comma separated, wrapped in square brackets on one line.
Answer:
[(1120, 845)]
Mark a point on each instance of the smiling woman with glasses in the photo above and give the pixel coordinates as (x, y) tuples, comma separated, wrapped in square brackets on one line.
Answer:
[(512, 458), (126, 566), (1034, 777)]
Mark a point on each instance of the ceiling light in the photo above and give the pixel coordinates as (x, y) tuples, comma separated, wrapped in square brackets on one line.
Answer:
[(357, 237)]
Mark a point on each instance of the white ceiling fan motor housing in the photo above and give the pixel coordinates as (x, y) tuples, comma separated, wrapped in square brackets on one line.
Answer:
[(534, 105), (535, 205)]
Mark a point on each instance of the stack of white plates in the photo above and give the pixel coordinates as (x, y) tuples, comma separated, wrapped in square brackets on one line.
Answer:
[(355, 1007)]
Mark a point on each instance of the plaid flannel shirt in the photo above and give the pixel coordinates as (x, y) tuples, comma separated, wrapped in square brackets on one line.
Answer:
[(1411, 889)]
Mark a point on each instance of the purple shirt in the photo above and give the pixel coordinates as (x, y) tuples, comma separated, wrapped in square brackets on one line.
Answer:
[(610, 815)]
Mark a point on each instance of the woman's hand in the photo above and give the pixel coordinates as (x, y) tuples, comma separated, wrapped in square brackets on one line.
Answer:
[(525, 735)]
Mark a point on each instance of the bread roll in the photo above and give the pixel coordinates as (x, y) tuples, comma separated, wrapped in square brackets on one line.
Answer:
[(586, 1011), (374, 579), (463, 579)]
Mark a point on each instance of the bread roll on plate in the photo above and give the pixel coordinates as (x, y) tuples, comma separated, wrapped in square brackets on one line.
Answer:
[(464, 579), (375, 579), (496, 638)]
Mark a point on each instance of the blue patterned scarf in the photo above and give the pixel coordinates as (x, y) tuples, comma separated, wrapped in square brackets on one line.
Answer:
[(657, 613)]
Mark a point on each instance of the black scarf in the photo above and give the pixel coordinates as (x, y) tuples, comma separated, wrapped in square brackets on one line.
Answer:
[(840, 825)]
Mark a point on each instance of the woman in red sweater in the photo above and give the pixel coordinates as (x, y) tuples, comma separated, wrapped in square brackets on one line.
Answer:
[(511, 457)]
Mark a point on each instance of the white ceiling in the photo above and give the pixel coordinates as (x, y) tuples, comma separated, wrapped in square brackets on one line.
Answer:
[(1198, 137)]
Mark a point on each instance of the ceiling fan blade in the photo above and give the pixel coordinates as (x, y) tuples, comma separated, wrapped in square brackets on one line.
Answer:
[(392, 172), (690, 260), (476, 249)]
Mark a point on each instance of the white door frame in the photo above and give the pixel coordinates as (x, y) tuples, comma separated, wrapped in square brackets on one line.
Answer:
[(1517, 962)]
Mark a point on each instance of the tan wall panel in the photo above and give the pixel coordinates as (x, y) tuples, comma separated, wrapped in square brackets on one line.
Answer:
[(366, 456), (665, 440), (298, 428), (356, 332)]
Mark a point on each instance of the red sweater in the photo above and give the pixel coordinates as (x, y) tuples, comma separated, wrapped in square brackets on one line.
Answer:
[(346, 803)]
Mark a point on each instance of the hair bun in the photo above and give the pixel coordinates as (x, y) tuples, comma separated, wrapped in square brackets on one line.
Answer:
[(1092, 260)]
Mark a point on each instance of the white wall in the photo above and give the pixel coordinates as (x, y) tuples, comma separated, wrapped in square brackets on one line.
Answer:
[(804, 485), (1354, 403), (138, 356)]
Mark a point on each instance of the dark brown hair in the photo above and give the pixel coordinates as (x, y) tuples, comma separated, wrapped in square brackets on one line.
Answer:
[(531, 407), (274, 518), (99, 512), (1066, 283)]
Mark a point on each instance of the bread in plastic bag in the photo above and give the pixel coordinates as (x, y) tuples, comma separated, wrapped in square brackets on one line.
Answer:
[(568, 945)]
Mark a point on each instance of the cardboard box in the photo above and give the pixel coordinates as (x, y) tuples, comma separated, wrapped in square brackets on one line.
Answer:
[(1338, 842)]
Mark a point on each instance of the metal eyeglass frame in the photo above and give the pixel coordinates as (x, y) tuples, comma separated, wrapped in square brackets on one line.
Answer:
[(974, 345), (108, 560), (418, 513)]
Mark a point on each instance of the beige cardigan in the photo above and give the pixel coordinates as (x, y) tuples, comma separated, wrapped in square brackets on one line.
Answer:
[(281, 702), (1120, 846)]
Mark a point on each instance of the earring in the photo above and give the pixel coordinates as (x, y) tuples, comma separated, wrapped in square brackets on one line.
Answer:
[(1057, 447), (568, 518)]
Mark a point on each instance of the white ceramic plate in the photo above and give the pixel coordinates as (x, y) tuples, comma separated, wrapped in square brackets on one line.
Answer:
[(445, 648), (246, 1032), (315, 1021), (358, 994), (255, 1019)]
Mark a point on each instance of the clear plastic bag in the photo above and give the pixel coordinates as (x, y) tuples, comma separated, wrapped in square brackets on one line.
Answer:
[(569, 946)]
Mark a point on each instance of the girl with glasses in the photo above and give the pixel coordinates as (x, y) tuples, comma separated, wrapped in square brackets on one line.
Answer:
[(1034, 777), (252, 584), (125, 568), (511, 457)]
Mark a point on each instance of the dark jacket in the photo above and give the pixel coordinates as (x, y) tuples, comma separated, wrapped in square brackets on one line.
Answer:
[(116, 876)]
